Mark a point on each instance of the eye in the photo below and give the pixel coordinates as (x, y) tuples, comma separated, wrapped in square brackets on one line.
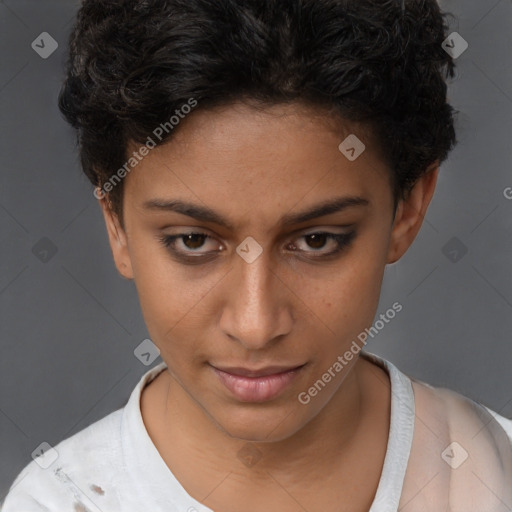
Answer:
[(318, 241), (184, 244)]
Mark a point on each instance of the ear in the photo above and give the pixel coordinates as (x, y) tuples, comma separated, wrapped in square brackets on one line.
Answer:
[(410, 214), (117, 238)]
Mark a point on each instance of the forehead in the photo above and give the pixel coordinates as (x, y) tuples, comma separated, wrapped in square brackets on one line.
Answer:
[(238, 155)]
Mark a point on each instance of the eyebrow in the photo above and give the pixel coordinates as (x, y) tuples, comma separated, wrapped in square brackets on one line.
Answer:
[(206, 214)]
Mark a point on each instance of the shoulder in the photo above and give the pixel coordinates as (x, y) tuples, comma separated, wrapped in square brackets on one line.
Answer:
[(69, 474), (94, 470), (461, 453)]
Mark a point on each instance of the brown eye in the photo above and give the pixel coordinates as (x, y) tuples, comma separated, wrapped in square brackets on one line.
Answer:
[(316, 240), (185, 244), (194, 240)]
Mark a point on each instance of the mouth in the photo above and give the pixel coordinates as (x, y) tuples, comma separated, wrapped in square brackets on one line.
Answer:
[(257, 385)]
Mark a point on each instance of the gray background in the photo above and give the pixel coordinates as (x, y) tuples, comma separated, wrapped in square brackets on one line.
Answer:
[(69, 323)]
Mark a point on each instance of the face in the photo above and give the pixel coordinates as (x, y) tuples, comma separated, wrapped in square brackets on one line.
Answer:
[(258, 250)]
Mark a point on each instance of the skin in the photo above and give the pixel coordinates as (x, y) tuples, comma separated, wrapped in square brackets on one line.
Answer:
[(285, 308)]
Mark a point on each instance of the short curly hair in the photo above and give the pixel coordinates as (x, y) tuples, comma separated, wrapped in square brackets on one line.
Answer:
[(133, 63)]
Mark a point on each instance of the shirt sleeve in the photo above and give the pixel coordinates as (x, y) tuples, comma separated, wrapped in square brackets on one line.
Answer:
[(461, 458), (505, 423)]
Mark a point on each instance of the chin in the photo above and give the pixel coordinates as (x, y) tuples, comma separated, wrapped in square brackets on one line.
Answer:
[(260, 426)]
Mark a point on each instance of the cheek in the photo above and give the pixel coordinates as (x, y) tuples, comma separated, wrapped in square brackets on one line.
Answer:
[(347, 300), (172, 296)]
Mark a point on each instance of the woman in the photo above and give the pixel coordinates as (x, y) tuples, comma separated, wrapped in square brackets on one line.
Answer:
[(258, 164)]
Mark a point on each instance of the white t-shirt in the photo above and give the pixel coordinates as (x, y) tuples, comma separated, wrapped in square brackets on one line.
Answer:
[(445, 452)]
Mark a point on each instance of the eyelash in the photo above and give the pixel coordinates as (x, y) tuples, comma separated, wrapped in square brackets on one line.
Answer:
[(343, 241)]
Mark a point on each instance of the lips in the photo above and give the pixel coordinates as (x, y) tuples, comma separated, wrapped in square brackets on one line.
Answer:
[(264, 372), (256, 385)]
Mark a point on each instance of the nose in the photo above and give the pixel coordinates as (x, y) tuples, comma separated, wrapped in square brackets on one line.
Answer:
[(257, 312)]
